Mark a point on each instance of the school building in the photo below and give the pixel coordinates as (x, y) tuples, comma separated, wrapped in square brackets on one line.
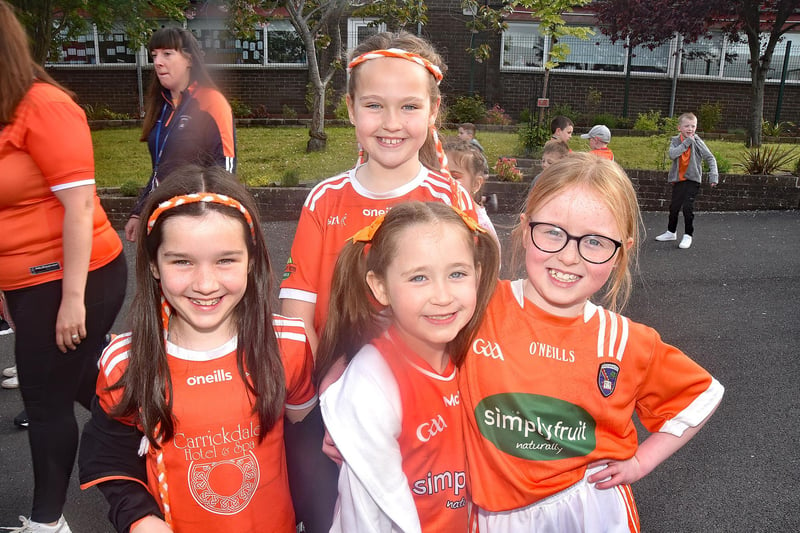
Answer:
[(268, 71)]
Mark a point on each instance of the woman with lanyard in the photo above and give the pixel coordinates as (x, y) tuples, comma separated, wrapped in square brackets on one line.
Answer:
[(187, 120), (61, 265)]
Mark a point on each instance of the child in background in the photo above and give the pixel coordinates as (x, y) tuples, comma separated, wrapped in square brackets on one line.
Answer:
[(561, 129), (467, 132), (552, 380), (599, 137), (469, 167), (687, 151), (553, 150), (186, 432), (393, 100), (394, 414)]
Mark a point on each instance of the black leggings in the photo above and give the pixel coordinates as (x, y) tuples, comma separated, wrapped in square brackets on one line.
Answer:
[(51, 381), (683, 195)]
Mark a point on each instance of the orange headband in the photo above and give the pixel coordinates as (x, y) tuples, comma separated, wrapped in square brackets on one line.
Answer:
[(209, 197), (367, 233), (400, 54)]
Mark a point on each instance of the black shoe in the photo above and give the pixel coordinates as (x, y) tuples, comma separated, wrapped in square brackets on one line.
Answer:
[(21, 420)]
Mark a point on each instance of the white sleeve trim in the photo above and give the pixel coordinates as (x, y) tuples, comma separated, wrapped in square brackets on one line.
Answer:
[(297, 294), (306, 405), (695, 412), (71, 185)]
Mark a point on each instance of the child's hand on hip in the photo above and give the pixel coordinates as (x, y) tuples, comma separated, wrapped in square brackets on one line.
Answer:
[(616, 473)]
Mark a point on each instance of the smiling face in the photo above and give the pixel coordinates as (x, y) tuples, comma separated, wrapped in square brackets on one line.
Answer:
[(431, 286), (687, 127), (202, 263), (173, 69), (392, 112), (561, 283)]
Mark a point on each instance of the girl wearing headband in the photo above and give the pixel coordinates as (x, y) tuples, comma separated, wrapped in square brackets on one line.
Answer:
[(393, 99), (187, 431), (395, 413)]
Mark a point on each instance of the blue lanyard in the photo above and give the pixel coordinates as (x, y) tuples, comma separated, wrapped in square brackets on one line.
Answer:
[(161, 143)]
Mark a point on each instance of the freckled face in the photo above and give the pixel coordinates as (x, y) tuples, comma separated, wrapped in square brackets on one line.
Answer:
[(561, 282)]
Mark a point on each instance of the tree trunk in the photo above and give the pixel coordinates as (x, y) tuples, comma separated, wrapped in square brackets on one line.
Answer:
[(756, 105), (318, 139), (544, 95)]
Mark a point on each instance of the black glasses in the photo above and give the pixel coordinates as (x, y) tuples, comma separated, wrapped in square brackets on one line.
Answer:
[(595, 249)]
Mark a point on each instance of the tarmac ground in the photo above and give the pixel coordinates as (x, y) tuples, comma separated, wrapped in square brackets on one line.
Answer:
[(730, 302)]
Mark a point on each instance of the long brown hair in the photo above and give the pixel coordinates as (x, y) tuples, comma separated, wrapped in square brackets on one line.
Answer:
[(610, 182), (184, 42), (416, 45), (18, 70), (147, 383), (354, 316)]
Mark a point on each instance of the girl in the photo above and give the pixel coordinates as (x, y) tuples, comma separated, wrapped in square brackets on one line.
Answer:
[(395, 413), (468, 167), (187, 121), (552, 380), (202, 383), (393, 100)]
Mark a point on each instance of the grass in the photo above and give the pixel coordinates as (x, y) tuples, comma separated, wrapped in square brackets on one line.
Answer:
[(267, 154)]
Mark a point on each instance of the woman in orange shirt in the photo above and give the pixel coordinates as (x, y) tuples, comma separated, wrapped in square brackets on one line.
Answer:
[(61, 266)]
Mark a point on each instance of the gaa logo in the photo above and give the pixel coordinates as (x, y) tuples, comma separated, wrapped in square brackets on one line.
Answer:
[(428, 430), (487, 349)]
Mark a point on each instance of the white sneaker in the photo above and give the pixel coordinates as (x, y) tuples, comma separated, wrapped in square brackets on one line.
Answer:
[(10, 372), (686, 242), (29, 526), (10, 383), (667, 236)]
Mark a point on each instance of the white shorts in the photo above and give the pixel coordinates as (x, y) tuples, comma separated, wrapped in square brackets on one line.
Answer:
[(581, 508)]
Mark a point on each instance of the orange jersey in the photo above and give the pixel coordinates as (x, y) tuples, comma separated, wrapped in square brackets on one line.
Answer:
[(604, 152), (333, 212), (420, 417), (46, 149), (220, 477), (546, 395)]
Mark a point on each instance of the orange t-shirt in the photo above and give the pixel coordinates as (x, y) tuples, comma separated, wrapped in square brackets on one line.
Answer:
[(544, 396), (604, 152), (47, 148), (683, 162), (333, 212), (220, 477), (431, 437)]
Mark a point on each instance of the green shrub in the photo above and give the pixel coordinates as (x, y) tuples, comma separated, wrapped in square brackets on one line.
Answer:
[(724, 164), (659, 147), (625, 123), (129, 189), (240, 109), (341, 112), (330, 97), (669, 125), (762, 160), (102, 112), (607, 119), (466, 109), (777, 129), (290, 178), (288, 112), (708, 116), (532, 136), (525, 115), (563, 110), (649, 121)]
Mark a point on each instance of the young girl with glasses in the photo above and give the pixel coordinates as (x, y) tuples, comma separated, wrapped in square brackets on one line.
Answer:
[(552, 380)]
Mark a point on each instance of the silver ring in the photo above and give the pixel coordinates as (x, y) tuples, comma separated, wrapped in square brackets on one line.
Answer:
[(76, 337)]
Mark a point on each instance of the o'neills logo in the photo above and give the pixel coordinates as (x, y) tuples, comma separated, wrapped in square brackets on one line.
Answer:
[(215, 377), (534, 427)]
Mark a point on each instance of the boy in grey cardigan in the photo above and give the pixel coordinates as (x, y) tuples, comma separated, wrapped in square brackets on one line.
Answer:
[(687, 151)]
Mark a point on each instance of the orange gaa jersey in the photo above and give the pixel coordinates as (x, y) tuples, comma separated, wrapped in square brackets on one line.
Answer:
[(421, 422), (220, 477), (544, 396), (47, 148), (333, 212)]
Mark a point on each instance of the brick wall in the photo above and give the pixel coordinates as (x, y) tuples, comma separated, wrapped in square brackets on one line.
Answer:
[(734, 193)]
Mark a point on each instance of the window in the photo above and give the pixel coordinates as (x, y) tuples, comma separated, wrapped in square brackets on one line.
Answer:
[(359, 30), (656, 61), (78, 51), (597, 53), (522, 46), (284, 44), (702, 58), (92, 48)]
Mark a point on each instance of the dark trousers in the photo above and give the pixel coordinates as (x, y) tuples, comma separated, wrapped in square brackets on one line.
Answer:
[(683, 195), (51, 381)]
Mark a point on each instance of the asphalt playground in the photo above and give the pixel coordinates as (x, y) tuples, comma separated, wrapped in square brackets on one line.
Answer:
[(731, 302)]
